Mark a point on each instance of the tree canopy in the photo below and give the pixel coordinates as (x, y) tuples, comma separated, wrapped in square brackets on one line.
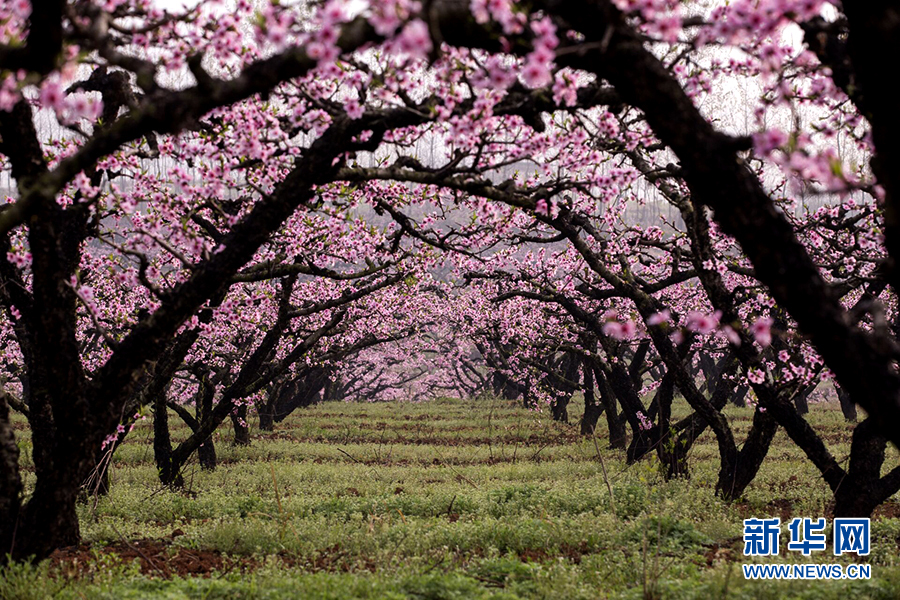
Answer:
[(233, 204)]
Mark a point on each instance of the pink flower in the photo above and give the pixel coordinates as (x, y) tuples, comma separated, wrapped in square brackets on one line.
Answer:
[(109, 440), (354, 109), (669, 28), (334, 11), (624, 330), (276, 34), (564, 91), (322, 53), (415, 39), (536, 73), (755, 376), (762, 331), (732, 335), (22, 8), (659, 318), (541, 207), (645, 425), (768, 141), (20, 260), (702, 323), (613, 329), (499, 75), (82, 106), (542, 54), (543, 27), (52, 95)]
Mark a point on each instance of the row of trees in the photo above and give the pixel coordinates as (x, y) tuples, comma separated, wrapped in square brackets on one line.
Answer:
[(234, 209)]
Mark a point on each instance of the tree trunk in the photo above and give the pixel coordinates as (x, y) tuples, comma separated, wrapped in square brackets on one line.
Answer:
[(563, 388), (737, 471), (592, 410), (848, 407), (673, 455), (504, 387), (739, 396), (618, 436), (857, 504), (169, 472), (671, 449), (10, 480), (642, 440), (266, 412), (300, 392), (206, 452), (801, 398), (50, 520), (559, 410), (590, 418), (862, 489), (241, 427)]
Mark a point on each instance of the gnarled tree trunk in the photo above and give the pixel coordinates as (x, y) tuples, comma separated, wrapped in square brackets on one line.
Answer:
[(241, 427), (169, 471)]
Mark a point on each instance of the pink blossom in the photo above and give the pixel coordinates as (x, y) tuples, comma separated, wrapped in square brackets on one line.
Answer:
[(415, 39), (564, 90), (613, 329), (323, 53), (623, 330), (109, 440), (645, 423), (543, 27), (755, 376), (664, 316), (9, 94), (334, 11), (769, 140), (354, 109), (21, 260), (52, 95), (536, 73), (732, 335), (499, 74), (276, 34), (499, 11), (22, 8), (668, 28), (542, 54), (762, 331), (702, 323), (82, 106)]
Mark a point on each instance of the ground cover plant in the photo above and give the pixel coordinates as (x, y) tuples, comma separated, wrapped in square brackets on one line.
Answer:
[(670, 226), (443, 499)]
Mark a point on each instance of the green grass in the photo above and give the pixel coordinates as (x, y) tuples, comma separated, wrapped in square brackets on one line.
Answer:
[(447, 499)]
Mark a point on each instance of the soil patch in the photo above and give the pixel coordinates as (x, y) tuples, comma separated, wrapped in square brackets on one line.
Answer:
[(156, 557)]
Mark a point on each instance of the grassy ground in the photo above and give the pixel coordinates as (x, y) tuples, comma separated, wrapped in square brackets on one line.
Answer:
[(448, 499)]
